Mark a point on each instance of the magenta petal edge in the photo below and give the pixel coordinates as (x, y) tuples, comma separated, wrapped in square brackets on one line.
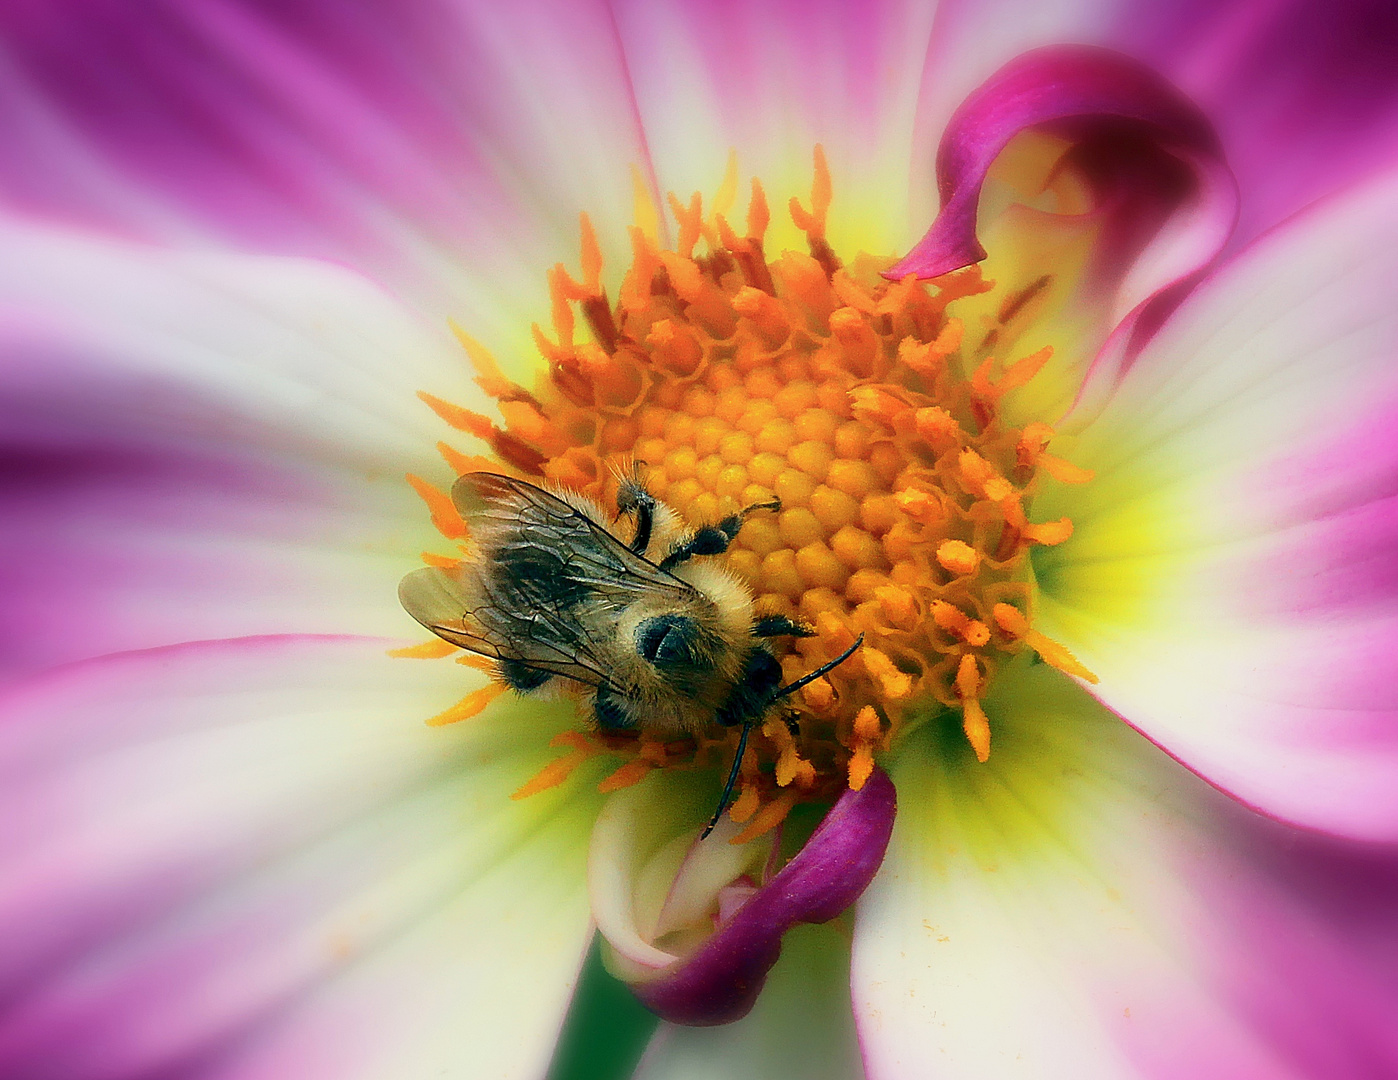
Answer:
[(720, 981), (1080, 85)]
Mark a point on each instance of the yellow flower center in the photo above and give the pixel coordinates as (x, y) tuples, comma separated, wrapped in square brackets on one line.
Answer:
[(854, 401)]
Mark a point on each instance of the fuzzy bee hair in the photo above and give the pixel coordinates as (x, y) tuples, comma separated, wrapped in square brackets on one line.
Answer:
[(657, 641)]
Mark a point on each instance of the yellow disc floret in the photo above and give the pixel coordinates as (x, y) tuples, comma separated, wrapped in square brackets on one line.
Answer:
[(738, 379)]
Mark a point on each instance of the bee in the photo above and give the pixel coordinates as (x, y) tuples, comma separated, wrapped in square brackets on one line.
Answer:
[(658, 640)]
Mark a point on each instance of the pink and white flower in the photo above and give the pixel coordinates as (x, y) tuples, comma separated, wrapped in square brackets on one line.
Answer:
[(233, 235)]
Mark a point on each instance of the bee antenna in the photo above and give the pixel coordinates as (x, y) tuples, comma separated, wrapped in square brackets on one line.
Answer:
[(812, 676), (732, 779), (775, 696)]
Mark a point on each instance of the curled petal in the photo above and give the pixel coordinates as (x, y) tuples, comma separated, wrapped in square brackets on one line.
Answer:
[(721, 980), (718, 980), (1088, 91), (1167, 199), (802, 1024)]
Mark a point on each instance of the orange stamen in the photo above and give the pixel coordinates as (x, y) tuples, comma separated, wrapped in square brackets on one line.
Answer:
[(1013, 623), (471, 705), (463, 463), (591, 256), (895, 684), (428, 650), (973, 719), (822, 190), (769, 817), (633, 772), (558, 770), (1049, 532), (745, 805), (445, 518), (866, 407), (958, 557)]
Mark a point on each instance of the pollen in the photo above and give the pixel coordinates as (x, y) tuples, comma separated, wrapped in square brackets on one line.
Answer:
[(732, 376)]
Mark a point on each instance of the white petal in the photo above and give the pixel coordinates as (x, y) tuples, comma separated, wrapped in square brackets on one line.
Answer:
[(1231, 577), (1082, 906), (206, 445), (255, 855)]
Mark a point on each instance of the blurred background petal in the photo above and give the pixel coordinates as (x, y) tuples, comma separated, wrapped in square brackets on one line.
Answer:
[(1233, 574), (204, 445), (1081, 906), (443, 148), (253, 858)]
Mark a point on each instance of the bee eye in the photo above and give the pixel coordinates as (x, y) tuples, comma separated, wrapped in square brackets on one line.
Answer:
[(667, 640)]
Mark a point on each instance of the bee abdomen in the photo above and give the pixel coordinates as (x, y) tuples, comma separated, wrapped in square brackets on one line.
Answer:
[(522, 678), (611, 713)]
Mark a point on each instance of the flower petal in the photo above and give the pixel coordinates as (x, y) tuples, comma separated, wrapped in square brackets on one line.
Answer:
[(204, 445), (773, 80), (716, 978), (1313, 85), (1166, 200), (1231, 577), (444, 148), (1082, 906), (1079, 88), (802, 1024), (1305, 97), (252, 858)]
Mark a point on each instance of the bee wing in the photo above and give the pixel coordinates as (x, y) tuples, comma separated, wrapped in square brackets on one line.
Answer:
[(454, 606), (506, 516), (543, 586)]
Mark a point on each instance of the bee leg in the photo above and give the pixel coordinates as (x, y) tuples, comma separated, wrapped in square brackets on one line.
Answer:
[(779, 626), (792, 720), (714, 539), (633, 498), (732, 778), (710, 540)]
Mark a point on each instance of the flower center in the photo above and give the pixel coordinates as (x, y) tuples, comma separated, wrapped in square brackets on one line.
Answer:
[(857, 402)]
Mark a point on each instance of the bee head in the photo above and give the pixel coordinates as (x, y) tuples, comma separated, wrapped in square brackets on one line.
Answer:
[(668, 641)]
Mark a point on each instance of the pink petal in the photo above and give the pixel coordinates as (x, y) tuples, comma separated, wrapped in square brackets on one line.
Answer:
[(1305, 96), (720, 980), (204, 445), (1232, 574), (1081, 906), (802, 1024), (443, 148), (771, 81), (1168, 198), (253, 859)]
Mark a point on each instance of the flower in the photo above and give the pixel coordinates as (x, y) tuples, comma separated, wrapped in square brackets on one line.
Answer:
[(233, 240)]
